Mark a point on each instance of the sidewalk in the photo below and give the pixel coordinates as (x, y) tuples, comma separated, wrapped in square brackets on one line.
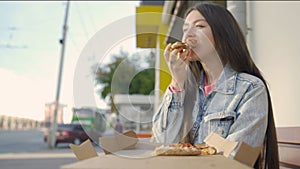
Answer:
[(43, 159)]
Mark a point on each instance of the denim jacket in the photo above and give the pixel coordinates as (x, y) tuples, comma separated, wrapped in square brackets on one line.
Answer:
[(235, 109)]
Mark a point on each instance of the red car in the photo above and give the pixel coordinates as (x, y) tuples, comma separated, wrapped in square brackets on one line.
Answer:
[(70, 133)]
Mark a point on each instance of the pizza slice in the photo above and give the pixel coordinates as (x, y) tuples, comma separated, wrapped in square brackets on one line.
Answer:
[(206, 149), (182, 149)]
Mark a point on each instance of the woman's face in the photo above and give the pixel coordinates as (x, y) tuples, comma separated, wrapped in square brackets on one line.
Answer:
[(198, 35)]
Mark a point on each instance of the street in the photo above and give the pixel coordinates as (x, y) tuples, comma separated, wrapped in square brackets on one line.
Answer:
[(17, 141), (26, 149)]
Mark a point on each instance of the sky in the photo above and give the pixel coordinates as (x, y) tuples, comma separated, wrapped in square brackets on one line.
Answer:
[(30, 50)]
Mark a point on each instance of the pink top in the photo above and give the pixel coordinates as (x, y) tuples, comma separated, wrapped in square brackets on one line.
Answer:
[(207, 88), (173, 90)]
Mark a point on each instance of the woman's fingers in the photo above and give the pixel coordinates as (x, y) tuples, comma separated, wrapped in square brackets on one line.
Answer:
[(173, 56), (184, 55), (167, 52)]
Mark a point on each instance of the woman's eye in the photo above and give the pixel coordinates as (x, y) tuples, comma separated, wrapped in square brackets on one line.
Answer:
[(200, 26)]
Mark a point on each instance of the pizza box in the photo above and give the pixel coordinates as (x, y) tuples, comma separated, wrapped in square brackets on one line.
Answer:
[(111, 144), (127, 151), (238, 151)]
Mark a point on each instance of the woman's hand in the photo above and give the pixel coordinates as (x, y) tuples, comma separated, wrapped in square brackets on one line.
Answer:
[(178, 64)]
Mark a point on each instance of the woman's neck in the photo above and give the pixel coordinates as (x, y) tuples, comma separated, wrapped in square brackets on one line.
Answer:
[(213, 69)]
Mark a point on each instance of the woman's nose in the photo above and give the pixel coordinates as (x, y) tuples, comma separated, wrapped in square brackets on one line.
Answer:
[(190, 32)]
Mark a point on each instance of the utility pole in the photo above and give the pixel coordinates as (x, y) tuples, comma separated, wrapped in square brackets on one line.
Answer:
[(52, 134), (238, 10)]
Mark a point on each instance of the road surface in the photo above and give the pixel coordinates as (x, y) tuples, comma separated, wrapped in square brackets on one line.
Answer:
[(26, 149)]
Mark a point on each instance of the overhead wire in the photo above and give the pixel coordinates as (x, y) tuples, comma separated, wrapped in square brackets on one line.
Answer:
[(91, 18), (81, 21)]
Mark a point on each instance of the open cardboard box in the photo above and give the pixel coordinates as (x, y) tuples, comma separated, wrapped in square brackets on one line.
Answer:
[(111, 144), (244, 153), (128, 145)]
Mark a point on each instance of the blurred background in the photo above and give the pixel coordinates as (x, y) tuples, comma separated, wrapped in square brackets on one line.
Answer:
[(30, 54)]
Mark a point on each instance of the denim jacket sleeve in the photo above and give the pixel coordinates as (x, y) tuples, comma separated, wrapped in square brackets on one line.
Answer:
[(251, 123), (167, 121)]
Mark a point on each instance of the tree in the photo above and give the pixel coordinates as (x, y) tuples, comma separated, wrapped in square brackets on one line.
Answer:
[(130, 75), (143, 82)]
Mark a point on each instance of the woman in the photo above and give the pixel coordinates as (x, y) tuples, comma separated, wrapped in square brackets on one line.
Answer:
[(215, 87)]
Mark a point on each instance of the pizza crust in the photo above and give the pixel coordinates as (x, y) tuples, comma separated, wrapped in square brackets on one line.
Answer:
[(179, 45), (184, 149)]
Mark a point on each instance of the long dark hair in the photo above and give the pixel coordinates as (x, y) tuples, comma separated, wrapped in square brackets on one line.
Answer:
[(232, 49)]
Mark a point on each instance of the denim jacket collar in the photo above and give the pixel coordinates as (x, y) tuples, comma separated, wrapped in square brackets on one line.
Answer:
[(226, 82)]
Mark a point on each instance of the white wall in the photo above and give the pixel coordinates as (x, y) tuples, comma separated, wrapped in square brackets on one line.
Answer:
[(274, 42)]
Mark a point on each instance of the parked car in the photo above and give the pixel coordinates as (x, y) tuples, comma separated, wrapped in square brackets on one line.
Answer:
[(72, 133)]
